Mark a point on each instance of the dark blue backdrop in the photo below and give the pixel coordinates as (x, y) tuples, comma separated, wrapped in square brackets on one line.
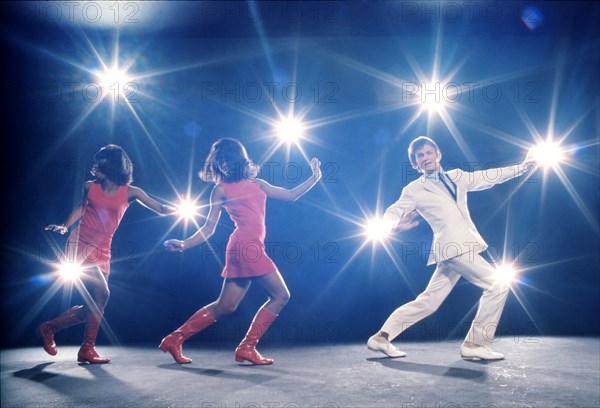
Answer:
[(208, 70)]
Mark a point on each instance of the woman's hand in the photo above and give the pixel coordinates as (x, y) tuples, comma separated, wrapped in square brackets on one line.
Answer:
[(61, 229), (168, 209), (174, 245), (315, 166)]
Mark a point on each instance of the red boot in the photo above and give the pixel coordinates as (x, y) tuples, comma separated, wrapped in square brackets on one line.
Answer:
[(247, 348), (87, 353), (47, 329), (173, 342)]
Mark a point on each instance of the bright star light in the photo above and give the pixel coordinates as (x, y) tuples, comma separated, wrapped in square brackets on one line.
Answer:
[(548, 154), (113, 77), (431, 97), (187, 209), (506, 273), (116, 84), (376, 230), (69, 271), (290, 130)]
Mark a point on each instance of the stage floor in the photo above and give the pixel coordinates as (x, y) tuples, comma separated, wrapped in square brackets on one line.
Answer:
[(538, 372)]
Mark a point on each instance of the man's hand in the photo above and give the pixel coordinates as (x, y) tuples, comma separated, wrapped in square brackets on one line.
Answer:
[(531, 159), (315, 167), (406, 222)]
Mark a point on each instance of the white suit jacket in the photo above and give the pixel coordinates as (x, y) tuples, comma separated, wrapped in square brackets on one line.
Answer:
[(453, 230)]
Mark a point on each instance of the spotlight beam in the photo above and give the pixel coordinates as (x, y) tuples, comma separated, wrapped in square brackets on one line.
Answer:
[(593, 222)]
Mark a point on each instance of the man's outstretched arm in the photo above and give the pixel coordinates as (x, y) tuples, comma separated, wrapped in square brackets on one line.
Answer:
[(484, 179)]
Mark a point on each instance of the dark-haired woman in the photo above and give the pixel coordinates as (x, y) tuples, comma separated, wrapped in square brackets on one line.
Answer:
[(243, 196), (105, 200)]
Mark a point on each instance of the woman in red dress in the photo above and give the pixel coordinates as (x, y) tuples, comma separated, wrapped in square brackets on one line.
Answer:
[(105, 200), (243, 196)]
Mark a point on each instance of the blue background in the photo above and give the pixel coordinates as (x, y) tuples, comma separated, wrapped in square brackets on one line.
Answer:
[(197, 68)]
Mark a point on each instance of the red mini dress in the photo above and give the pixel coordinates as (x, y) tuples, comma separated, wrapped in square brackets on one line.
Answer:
[(90, 242), (245, 255)]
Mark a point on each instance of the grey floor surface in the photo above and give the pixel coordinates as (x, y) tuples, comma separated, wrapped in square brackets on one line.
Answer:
[(538, 372)]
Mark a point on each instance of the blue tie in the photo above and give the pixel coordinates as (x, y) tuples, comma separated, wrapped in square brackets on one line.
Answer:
[(442, 177)]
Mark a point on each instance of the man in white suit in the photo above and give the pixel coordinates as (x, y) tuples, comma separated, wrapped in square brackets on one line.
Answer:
[(441, 199)]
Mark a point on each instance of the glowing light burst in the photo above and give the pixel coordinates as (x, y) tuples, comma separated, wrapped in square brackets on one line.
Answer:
[(506, 273), (376, 230), (548, 154), (187, 209), (113, 77), (290, 130), (552, 152), (69, 271), (431, 97)]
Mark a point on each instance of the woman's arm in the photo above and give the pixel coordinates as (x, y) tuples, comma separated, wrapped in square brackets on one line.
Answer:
[(75, 214), (217, 199), (136, 193), (298, 191)]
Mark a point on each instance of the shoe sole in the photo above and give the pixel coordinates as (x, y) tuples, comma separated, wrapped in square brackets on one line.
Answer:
[(242, 359), (89, 362), (374, 350), (379, 351), (164, 350), (482, 359)]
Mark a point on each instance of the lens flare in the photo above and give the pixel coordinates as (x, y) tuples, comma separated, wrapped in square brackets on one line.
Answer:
[(290, 130), (548, 154), (376, 230), (187, 209), (431, 96), (69, 271), (506, 273), (113, 77)]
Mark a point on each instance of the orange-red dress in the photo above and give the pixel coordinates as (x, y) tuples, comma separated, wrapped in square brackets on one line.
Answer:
[(89, 243), (245, 256)]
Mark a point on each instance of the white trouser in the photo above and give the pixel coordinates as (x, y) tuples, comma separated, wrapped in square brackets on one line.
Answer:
[(473, 268)]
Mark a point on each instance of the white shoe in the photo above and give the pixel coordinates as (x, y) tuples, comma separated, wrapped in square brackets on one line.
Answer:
[(385, 347), (480, 352)]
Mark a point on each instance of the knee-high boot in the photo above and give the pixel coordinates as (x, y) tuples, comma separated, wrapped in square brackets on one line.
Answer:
[(87, 352), (48, 329), (174, 341), (247, 348)]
